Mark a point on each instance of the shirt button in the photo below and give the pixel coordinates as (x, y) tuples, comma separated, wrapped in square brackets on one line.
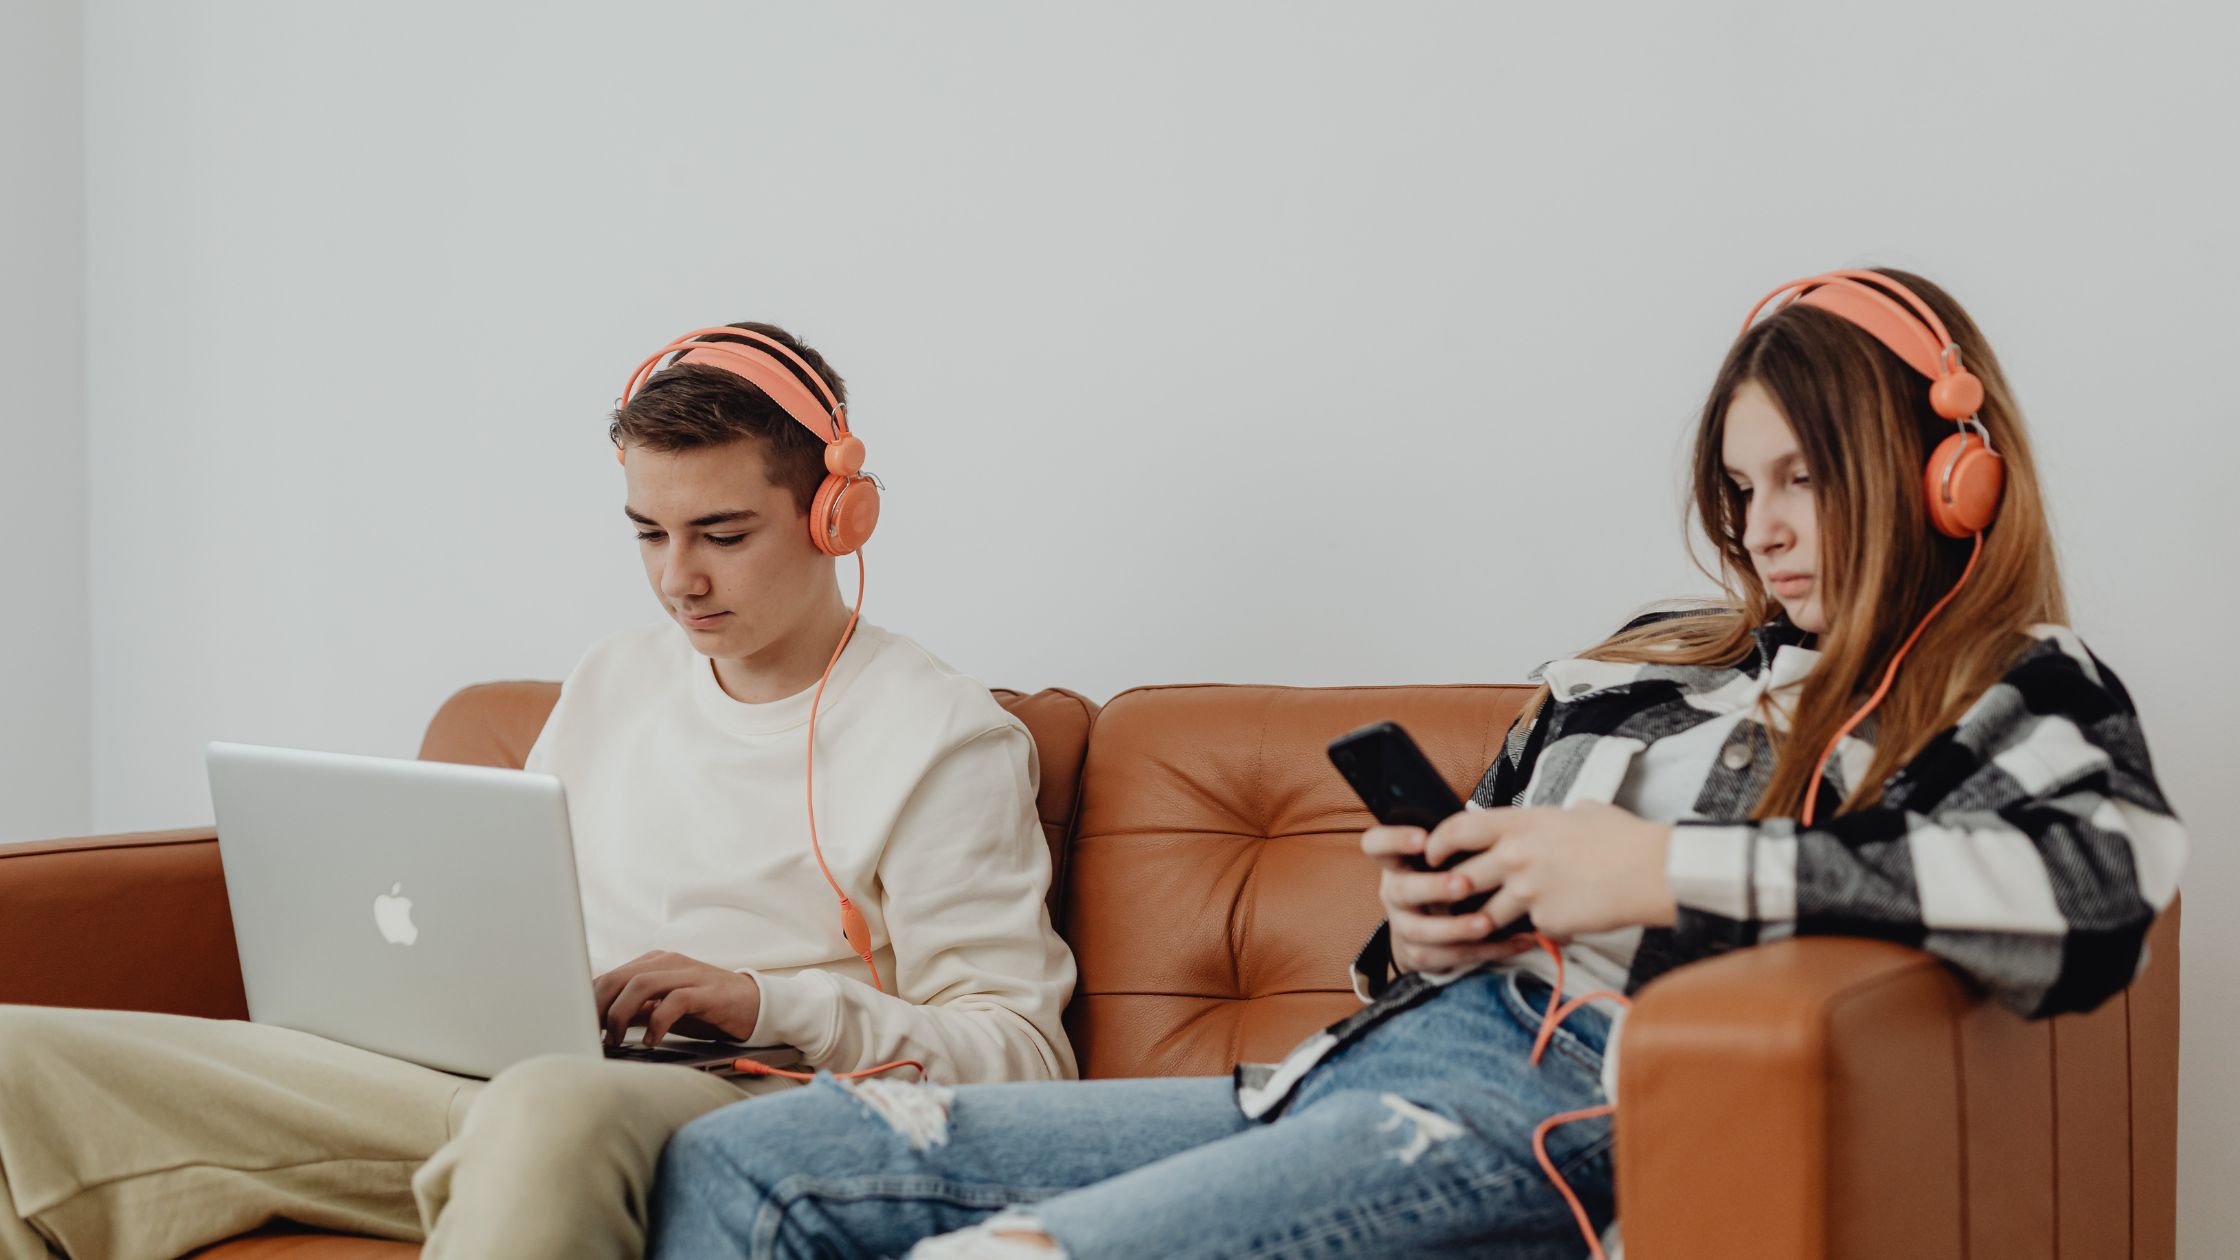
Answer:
[(1738, 757), (1577, 689)]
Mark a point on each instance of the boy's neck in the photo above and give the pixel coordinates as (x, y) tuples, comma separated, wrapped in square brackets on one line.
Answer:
[(789, 665)]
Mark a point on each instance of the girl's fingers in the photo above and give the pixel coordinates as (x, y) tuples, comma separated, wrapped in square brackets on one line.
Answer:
[(1440, 929)]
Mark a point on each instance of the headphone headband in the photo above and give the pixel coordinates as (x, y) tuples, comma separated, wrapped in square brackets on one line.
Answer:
[(1864, 298), (758, 365)]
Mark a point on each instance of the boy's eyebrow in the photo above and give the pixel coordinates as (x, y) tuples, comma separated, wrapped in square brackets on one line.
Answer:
[(712, 518)]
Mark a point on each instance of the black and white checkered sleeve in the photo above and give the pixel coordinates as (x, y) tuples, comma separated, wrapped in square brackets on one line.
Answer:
[(2029, 846)]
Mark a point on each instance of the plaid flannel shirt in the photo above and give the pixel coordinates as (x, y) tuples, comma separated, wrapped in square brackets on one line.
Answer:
[(2028, 845)]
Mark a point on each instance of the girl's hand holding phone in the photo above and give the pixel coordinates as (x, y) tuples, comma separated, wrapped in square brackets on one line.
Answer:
[(1589, 868)]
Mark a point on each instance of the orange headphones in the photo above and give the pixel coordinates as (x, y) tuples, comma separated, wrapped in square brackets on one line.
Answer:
[(841, 518), (846, 507), (1964, 478)]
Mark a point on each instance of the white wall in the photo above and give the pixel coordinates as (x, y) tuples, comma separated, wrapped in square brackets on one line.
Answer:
[(1287, 342), (46, 786)]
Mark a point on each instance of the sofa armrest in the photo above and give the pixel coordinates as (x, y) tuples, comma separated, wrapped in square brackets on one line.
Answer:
[(130, 922), (1801, 1100)]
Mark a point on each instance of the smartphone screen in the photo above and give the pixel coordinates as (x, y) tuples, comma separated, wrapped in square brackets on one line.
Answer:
[(1393, 778)]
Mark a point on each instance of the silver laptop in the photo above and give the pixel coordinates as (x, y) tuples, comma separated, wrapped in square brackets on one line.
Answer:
[(420, 910)]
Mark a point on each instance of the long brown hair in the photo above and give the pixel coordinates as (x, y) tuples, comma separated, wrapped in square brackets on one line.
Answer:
[(1864, 425)]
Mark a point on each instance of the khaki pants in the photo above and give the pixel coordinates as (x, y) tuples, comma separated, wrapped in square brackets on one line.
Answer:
[(130, 1136)]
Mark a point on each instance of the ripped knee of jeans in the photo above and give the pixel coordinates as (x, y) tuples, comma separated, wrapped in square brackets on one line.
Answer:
[(919, 1113), (1012, 1234), (1423, 1127)]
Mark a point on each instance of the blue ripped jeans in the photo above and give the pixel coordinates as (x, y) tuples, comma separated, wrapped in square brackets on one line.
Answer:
[(1415, 1140)]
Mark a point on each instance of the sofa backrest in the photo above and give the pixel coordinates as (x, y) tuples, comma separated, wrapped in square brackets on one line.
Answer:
[(1215, 891), (494, 724)]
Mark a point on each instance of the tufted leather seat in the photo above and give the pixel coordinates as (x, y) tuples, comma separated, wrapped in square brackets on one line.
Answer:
[(1810, 1100), (1216, 891)]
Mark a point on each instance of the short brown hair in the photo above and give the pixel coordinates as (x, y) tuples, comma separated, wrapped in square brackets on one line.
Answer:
[(690, 406)]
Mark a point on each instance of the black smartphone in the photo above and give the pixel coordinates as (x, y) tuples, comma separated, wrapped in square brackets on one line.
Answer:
[(1402, 789)]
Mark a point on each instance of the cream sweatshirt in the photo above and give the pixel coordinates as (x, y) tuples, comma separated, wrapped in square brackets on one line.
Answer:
[(691, 835)]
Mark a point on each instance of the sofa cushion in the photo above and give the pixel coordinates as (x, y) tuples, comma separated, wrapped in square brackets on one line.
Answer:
[(489, 724), (1215, 891)]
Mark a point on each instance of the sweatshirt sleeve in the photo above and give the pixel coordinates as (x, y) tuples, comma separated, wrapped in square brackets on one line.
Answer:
[(981, 978), (2028, 846)]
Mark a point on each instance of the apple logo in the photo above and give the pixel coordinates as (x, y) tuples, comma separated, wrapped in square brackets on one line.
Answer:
[(393, 915)]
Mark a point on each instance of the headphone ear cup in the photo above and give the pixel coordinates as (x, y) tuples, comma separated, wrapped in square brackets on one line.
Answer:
[(843, 514), (1976, 480)]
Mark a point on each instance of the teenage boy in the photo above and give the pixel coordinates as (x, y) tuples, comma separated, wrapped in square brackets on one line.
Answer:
[(683, 748)]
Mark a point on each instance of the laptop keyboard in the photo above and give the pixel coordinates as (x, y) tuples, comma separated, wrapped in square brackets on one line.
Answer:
[(652, 1054), (675, 1052)]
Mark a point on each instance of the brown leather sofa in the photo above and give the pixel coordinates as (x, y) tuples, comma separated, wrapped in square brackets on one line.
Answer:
[(1811, 1100)]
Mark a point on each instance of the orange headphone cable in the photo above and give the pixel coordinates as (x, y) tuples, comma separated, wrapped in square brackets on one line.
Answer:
[(852, 923), (1812, 794), (752, 1067), (1557, 1012)]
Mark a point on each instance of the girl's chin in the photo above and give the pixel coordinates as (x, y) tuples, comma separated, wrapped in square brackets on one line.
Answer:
[(1806, 616)]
